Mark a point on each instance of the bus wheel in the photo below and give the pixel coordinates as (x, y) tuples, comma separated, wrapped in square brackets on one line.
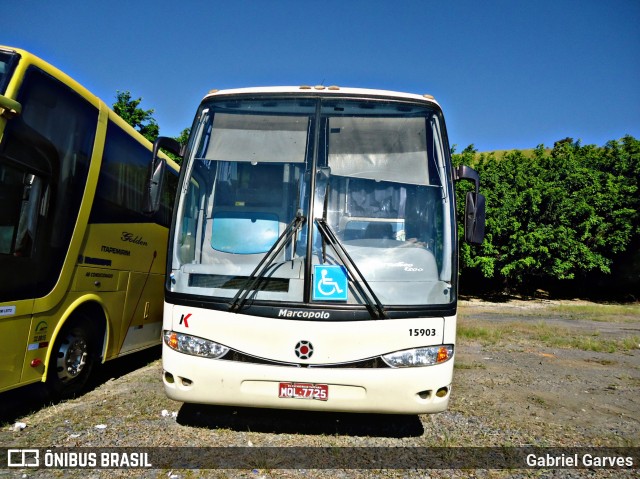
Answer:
[(71, 362)]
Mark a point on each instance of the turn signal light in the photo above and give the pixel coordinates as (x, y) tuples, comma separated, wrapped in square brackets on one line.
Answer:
[(443, 354)]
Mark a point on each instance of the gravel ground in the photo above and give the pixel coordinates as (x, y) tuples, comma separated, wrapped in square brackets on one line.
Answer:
[(514, 391)]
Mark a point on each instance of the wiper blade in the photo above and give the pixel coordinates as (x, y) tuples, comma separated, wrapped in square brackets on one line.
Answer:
[(258, 273), (373, 304)]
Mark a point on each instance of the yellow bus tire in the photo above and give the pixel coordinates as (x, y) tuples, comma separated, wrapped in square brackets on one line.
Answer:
[(72, 359)]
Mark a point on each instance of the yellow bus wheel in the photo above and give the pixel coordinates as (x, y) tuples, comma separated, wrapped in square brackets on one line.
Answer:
[(72, 360)]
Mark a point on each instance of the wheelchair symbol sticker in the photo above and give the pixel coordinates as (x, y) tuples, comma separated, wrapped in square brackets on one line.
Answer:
[(330, 283)]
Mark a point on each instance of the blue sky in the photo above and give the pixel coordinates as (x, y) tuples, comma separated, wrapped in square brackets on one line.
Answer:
[(508, 74)]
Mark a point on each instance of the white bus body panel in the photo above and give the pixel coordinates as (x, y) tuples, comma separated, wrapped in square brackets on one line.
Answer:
[(373, 390)]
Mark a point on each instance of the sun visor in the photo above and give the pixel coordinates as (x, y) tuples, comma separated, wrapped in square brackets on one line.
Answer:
[(258, 138), (381, 149)]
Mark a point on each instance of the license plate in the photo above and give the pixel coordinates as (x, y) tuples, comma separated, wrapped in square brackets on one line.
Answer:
[(304, 391)]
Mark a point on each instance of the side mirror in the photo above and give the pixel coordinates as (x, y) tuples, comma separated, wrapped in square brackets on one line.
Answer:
[(474, 207), (154, 186), (474, 218), (168, 144), (156, 173), (9, 108)]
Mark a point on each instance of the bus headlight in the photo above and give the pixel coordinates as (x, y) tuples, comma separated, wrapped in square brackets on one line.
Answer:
[(416, 357), (193, 345)]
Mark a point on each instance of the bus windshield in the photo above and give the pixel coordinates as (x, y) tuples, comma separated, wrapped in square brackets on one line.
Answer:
[(371, 174)]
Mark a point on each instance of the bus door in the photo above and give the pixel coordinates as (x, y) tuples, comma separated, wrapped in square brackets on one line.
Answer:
[(22, 198)]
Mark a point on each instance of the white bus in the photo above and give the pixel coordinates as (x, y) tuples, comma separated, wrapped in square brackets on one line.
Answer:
[(313, 257)]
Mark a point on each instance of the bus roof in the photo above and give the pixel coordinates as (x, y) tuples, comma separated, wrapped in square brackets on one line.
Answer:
[(50, 69), (322, 90)]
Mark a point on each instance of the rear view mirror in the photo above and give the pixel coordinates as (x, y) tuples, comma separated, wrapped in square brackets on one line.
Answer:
[(156, 173), (474, 218), (474, 206), (168, 144), (154, 186)]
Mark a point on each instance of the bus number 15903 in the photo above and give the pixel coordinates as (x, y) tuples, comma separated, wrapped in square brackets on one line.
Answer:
[(422, 332)]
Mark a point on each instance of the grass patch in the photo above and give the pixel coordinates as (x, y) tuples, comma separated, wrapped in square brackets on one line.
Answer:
[(499, 154), (540, 401), (602, 362), (548, 335), (617, 313), (485, 334), (473, 365), (597, 312)]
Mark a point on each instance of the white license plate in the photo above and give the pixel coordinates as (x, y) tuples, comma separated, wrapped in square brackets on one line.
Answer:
[(304, 391)]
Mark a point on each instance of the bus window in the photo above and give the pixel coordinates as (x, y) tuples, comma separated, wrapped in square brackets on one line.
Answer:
[(29, 213), (6, 67), (12, 192), (119, 196), (53, 152)]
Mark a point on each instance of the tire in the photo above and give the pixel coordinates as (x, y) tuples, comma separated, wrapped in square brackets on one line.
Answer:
[(72, 359)]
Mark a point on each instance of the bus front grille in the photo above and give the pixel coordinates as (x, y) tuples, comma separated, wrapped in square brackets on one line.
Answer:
[(279, 285)]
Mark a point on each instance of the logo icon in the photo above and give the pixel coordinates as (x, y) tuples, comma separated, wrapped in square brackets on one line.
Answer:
[(304, 349), (23, 458), (185, 319), (330, 283)]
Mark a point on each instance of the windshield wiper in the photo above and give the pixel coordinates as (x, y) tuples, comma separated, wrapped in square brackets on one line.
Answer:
[(373, 304), (259, 272)]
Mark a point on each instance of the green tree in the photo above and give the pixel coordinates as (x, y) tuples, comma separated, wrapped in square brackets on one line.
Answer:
[(556, 218), (141, 120), (183, 137), (619, 164)]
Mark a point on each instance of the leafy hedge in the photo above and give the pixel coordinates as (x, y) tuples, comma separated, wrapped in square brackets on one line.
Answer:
[(565, 220)]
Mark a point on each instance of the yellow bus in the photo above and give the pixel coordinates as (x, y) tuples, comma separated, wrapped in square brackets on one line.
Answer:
[(82, 259)]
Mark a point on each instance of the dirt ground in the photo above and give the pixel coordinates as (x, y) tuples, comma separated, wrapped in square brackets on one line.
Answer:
[(593, 394), (541, 374)]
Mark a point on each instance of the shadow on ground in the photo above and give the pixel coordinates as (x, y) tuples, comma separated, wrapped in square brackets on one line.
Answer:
[(280, 421), (28, 399)]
